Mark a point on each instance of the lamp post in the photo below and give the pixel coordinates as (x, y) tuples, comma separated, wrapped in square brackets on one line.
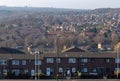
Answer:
[(35, 68), (56, 52), (118, 61), (37, 64), (36, 61)]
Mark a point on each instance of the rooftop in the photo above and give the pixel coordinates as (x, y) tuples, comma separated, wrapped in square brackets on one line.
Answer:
[(6, 50)]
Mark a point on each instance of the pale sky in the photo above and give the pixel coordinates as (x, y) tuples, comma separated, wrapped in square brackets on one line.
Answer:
[(74, 4)]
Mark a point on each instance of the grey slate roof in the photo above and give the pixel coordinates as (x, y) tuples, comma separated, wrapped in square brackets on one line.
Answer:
[(6, 50)]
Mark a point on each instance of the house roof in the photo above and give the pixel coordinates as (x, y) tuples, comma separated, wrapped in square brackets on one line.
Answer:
[(61, 55), (83, 55), (73, 49), (6, 50), (8, 53)]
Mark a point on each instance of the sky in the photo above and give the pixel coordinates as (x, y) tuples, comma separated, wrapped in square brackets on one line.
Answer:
[(71, 4)]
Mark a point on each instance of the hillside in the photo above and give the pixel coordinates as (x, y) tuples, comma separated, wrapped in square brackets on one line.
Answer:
[(46, 28)]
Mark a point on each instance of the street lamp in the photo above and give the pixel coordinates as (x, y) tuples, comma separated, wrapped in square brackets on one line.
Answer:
[(118, 61), (57, 53), (35, 67), (36, 61)]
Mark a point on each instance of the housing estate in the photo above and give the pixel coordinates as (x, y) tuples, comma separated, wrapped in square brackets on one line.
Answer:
[(69, 62)]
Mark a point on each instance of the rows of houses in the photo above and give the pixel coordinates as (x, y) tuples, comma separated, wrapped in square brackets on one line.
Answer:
[(70, 62)]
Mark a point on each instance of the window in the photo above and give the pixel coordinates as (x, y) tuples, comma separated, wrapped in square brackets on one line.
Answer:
[(16, 72), (49, 71), (84, 60), (73, 70), (60, 69), (15, 62), (92, 60), (50, 60), (32, 72), (72, 60), (39, 71), (84, 70), (117, 69), (117, 60), (3, 62), (5, 72), (107, 60), (58, 60), (23, 62), (94, 70), (38, 62), (26, 71)]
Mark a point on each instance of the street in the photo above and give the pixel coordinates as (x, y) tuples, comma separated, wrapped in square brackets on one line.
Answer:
[(64, 80)]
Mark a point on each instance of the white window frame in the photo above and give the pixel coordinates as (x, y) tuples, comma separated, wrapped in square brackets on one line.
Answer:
[(32, 72), (49, 70), (60, 69), (5, 72), (73, 69), (72, 60), (3, 62), (58, 60), (84, 70), (26, 71), (84, 60), (117, 60), (23, 62), (15, 62), (38, 62), (107, 60), (50, 60), (17, 72), (94, 70)]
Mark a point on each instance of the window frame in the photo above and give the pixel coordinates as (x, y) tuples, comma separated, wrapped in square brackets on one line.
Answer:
[(15, 62), (49, 60), (72, 60)]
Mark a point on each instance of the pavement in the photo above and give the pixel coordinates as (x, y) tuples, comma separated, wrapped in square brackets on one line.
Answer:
[(62, 80)]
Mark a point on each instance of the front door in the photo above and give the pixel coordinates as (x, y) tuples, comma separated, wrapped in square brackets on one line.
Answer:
[(48, 71), (68, 73), (101, 71)]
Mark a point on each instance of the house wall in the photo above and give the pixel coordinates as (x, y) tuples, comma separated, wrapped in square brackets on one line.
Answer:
[(102, 67)]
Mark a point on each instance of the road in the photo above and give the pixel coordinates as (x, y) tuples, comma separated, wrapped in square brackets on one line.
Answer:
[(66, 80)]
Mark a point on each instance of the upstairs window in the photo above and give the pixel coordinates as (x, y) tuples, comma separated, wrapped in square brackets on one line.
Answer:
[(58, 60), (38, 62), (107, 60), (23, 62), (15, 62), (3, 62), (50, 60), (92, 60), (72, 60), (84, 60)]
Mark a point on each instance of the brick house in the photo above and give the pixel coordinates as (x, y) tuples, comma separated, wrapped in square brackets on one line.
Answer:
[(67, 63)]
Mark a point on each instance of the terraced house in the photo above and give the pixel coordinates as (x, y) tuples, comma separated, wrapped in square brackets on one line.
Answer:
[(70, 62)]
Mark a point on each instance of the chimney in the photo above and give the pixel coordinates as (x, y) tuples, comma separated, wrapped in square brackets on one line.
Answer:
[(99, 46), (29, 50), (64, 47)]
